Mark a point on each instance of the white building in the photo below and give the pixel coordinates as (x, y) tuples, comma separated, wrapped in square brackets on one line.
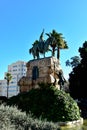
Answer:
[(17, 70), (2, 87)]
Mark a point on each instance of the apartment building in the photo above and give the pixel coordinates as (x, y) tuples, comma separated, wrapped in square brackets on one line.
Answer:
[(17, 70), (2, 87)]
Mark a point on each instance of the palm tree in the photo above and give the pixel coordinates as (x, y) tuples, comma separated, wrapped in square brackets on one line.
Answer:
[(57, 42), (8, 77), (51, 39)]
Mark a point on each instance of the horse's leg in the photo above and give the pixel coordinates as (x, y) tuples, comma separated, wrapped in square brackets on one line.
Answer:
[(33, 54), (44, 54), (37, 54)]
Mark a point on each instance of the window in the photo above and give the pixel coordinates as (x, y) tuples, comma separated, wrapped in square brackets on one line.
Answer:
[(35, 73), (14, 66)]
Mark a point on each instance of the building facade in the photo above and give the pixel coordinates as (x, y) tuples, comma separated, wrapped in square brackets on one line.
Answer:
[(2, 87), (17, 70)]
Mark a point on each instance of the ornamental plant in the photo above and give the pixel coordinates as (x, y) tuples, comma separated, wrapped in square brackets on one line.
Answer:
[(13, 119), (47, 102)]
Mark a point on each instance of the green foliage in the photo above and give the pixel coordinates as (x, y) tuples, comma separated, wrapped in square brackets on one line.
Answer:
[(55, 40), (48, 103), (78, 76), (8, 78), (13, 119), (3, 99), (75, 61), (65, 108)]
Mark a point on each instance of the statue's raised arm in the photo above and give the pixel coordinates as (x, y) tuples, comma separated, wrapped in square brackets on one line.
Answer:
[(41, 38)]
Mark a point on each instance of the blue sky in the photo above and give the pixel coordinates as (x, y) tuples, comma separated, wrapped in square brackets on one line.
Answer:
[(22, 21)]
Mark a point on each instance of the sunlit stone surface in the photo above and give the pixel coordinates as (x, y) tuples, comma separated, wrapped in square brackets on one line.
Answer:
[(43, 70)]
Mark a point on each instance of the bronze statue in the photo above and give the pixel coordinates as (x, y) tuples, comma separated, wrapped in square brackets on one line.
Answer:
[(40, 47), (41, 38), (34, 52), (61, 79)]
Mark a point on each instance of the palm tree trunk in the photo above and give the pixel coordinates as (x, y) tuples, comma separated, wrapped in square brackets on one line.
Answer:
[(7, 90), (53, 52), (58, 53)]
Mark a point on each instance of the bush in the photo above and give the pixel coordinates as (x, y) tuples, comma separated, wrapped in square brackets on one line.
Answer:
[(3, 99), (49, 103), (13, 119)]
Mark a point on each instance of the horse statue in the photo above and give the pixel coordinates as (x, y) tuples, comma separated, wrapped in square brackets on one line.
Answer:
[(44, 45), (34, 52), (41, 46)]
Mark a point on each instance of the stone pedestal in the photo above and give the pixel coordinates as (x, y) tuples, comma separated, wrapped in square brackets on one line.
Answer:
[(43, 70)]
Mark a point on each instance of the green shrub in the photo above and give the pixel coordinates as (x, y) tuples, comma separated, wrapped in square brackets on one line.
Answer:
[(3, 99), (49, 103), (13, 119)]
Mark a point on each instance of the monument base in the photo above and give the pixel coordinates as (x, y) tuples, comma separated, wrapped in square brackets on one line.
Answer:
[(45, 70)]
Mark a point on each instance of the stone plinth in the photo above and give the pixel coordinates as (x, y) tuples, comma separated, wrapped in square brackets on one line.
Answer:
[(43, 70)]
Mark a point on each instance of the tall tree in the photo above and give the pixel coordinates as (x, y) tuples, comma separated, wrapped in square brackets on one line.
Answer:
[(73, 62), (8, 77), (78, 76), (57, 42)]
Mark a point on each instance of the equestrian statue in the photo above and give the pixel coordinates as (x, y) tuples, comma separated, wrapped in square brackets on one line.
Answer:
[(40, 46)]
